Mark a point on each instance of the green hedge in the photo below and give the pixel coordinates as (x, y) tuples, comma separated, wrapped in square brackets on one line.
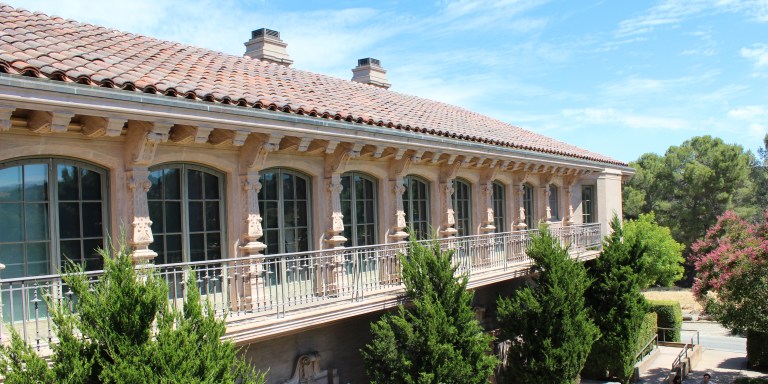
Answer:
[(647, 330), (670, 315), (757, 349)]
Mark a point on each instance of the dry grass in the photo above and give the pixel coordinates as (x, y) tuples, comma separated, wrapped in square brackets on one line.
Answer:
[(683, 295)]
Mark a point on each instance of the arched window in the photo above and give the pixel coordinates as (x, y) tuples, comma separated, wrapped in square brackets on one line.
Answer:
[(416, 205), (284, 203), (462, 207), (499, 202), (51, 211), (359, 205), (528, 204), (554, 202), (187, 211)]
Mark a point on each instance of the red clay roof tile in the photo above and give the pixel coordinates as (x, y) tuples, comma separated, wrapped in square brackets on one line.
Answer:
[(50, 46)]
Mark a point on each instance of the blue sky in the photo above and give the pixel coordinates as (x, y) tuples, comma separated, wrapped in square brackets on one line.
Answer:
[(617, 77)]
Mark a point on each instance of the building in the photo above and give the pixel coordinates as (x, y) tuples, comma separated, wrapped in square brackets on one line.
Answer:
[(288, 192)]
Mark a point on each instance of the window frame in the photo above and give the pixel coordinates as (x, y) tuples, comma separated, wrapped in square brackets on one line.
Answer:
[(408, 199), (588, 218), (281, 212), (53, 217), (186, 252), (462, 230), (554, 197), (499, 206), (352, 220), (529, 205)]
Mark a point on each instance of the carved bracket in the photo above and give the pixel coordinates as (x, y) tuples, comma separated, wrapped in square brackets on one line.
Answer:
[(336, 162), (44, 121), (140, 235), (5, 117), (253, 154), (95, 126), (143, 139)]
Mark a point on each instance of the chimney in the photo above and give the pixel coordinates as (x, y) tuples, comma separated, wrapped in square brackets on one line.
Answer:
[(265, 44), (369, 71)]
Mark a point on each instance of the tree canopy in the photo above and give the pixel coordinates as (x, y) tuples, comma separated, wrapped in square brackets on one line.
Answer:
[(691, 185), (437, 339), (548, 322), (662, 260), (105, 334), (732, 264)]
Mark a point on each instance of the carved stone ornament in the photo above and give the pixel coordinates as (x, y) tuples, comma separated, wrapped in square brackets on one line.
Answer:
[(449, 217), (249, 201), (398, 189), (336, 218), (140, 235), (308, 371), (5, 117), (142, 141)]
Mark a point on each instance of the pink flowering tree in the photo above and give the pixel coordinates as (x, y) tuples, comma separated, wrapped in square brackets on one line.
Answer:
[(732, 272)]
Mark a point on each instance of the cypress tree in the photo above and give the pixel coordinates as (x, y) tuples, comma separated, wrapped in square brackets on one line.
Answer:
[(547, 322), (617, 305), (437, 339)]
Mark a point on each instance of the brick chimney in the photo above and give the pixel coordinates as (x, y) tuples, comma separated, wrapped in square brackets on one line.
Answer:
[(369, 71), (265, 44)]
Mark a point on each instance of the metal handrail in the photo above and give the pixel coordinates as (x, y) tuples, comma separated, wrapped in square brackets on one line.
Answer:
[(241, 289), (678, 362), (680, 330), (642, 351)]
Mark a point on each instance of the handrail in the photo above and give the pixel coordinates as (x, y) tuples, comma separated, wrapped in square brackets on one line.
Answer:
[(641, 353), (678, 362), (680, 330)]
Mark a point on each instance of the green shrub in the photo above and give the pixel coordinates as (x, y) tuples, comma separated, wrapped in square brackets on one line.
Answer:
[(670, 315), (647, 330), (757, 349)]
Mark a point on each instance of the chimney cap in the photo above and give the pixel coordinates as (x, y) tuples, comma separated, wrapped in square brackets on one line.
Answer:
[(368, 61), (264, 32)]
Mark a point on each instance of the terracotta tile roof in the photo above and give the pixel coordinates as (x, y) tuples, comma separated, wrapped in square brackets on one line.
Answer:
[(35, 44)]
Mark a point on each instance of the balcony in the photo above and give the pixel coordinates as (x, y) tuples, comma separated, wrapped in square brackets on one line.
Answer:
[(262, 297)]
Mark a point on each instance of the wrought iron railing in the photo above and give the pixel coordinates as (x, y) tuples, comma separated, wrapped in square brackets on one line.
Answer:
[(247, 288)]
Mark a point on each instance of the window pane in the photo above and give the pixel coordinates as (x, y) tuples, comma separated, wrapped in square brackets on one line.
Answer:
[(290, 214), (156, 188), (301, 188), (93, 260), (91, 182), (268, 186), (172, 217), (197, 247), (36, 182), (212, 213), (156, 215), (158, 245), (302, 240), (36, 218), (10, 222), (302, 214), (270, 215), (211, 187), (37, 259), (67, 182), (172, 184), (92, 220), (196, 216), (194, 184), (11, 254), (173, 248), (288, 186), (69, 220), (70, 251), (214, 246), (345, 194), (10, 184), (369, 193)]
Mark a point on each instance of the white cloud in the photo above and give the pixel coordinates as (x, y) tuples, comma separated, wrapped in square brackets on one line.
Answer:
[(603, 116), (758, 53), (749, 112)]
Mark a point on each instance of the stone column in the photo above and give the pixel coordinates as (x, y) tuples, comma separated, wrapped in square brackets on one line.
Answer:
[(446, 202)]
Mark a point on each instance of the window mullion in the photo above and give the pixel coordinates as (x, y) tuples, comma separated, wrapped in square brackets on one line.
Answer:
[(183, 190), (53, 215)]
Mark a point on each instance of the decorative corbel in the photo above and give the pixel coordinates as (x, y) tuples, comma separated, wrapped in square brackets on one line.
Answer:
[(253, 156), (568, 185), (45, 122), (202, 133), (182, 134), (436, 157), (304, 144), (331, 147), (400, 153), (5, 117), (96, 126), (379, 151), (143, 139)]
